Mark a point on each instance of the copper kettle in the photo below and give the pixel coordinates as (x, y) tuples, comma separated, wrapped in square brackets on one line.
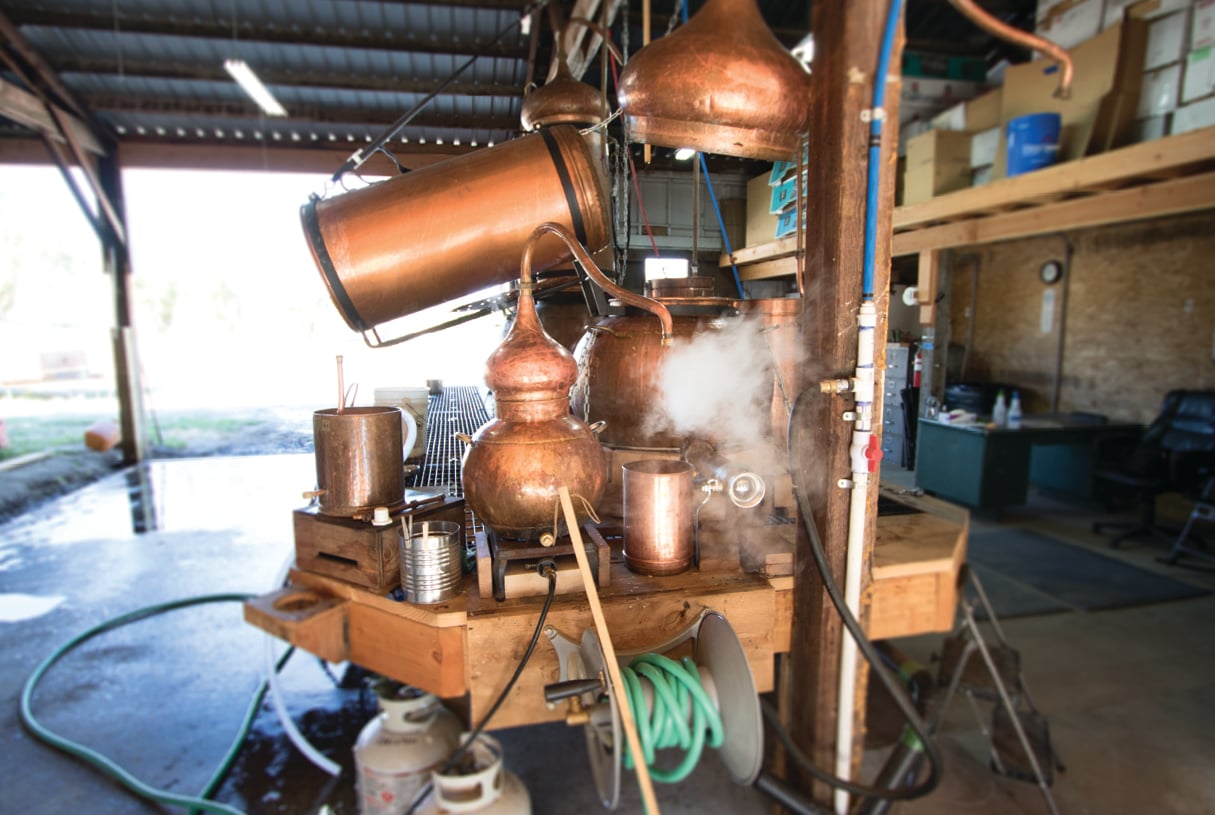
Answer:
[(516, 462)]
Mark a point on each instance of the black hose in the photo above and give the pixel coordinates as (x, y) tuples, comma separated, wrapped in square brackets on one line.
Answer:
[(550, 572)]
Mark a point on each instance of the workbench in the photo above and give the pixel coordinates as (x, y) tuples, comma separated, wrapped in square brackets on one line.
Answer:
[(469, 647)]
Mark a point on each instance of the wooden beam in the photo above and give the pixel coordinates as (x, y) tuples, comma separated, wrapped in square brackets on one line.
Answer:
[(1071, 177), (773, 250), (926, 285), (1187, 194), (101, 18), (25, 108), (841, 89)]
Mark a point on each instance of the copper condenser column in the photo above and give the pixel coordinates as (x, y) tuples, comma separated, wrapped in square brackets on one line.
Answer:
[(659, 531), (360, 464)]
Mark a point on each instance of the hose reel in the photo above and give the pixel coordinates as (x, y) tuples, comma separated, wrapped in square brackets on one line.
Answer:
[(724, 674)]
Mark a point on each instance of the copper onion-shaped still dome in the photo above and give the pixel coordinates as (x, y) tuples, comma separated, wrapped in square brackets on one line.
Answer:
[(563, 100), (722, 83), (529, 365)]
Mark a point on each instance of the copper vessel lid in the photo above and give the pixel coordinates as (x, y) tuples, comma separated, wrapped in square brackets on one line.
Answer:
[(529, 365), (722, 83), (563, 100)]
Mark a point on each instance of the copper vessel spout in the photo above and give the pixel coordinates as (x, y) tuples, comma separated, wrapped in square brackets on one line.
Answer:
[(722, 83), (588, 264)]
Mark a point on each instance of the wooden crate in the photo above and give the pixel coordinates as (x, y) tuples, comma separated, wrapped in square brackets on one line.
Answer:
[(356, 551)]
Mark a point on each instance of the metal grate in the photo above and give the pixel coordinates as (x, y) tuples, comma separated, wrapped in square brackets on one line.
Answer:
[(459, 409)]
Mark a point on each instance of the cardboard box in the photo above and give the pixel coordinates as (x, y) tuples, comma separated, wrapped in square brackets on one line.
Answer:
[(1153, 127), (973, 115), (908, 131), (1193, 117), (983, 147), (1160, 91), (1202, 26), (1168, 40), (1071, 22), (1118, 10), (1199, 80), (1100, 113), (761, 224), (937, 162)]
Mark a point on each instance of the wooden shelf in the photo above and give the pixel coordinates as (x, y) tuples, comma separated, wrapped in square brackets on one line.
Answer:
[(1167, 176)]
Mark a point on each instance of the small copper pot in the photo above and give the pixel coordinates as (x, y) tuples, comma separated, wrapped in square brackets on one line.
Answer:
[(360, 464), (659, 527)]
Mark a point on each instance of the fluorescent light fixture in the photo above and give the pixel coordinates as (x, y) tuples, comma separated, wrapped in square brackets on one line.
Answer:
[(684, 153), (259, 93)]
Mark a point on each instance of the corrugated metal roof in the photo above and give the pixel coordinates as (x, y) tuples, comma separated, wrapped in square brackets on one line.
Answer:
[(151, 70)]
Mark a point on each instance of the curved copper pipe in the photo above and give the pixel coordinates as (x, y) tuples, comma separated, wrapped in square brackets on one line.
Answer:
[(971, 10), (583, 257)]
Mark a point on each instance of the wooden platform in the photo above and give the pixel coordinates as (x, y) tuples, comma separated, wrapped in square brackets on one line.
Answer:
[(472, 644)]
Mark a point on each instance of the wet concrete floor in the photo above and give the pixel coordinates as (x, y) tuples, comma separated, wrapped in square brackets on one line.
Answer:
[(1128, 692)]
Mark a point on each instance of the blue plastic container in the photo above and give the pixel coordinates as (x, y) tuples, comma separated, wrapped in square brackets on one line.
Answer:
[(1033, 142)]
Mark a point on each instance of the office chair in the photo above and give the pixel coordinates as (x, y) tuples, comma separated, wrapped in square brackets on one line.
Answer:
[(1175, 454)]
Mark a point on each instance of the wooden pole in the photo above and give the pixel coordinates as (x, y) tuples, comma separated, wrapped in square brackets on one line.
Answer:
[(841, 90), (609, 656)]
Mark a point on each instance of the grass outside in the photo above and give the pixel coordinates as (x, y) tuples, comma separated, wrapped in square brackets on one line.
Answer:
[(171, 433)]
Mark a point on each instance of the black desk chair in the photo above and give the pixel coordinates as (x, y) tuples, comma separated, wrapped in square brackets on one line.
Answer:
[(1175, 454)]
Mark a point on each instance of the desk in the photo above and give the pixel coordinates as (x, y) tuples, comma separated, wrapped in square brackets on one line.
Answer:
[(988, 468)]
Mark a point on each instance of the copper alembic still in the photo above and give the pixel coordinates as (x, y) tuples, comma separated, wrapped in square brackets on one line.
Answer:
[(563, 99), (722, 83), (515, 463)]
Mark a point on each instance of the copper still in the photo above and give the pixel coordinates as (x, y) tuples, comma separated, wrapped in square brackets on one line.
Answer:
[(619, 361), (722, 83), (452, 228), (659, 528), (515, 463), (563, 99)]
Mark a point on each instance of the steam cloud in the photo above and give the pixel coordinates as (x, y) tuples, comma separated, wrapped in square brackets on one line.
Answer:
[(718, 386)]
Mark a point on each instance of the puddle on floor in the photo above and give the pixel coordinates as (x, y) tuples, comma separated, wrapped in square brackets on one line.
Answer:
[(15, 608)]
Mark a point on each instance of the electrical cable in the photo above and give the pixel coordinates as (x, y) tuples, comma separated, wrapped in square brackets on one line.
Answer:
[(107, 765), (677, 688), (550, 572), (935, 760)]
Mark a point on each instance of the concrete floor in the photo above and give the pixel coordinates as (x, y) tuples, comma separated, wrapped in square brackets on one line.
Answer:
[(1127, 692)]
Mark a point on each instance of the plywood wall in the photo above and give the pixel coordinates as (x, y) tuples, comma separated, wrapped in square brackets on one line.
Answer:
[(1139, 317)]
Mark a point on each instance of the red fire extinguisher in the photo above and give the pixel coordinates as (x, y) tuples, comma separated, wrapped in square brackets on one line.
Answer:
[(917, 368)]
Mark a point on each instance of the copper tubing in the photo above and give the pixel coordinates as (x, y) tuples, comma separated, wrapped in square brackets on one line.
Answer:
[(659, 530), (982, 19), (584, 259)]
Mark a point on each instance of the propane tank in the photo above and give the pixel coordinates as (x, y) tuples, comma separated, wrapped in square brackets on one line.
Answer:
[(479, 784), (395, 752)]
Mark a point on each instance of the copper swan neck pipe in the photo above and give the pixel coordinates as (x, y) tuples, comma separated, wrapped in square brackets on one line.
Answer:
[(583, 257), (972, 11)]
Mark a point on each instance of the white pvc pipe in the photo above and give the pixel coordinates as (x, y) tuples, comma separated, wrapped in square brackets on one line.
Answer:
[(322, 762), (854, 556)]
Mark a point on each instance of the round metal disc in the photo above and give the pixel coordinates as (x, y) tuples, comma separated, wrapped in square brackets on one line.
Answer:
[(604, 736), (719, 651)]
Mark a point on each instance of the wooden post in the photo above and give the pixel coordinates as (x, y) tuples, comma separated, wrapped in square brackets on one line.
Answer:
[(841, 90)]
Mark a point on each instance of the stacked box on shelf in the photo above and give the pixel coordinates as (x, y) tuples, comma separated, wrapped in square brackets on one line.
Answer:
[(1197, 99)]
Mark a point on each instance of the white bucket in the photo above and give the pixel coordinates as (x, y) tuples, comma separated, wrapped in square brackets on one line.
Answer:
[(412, 402)]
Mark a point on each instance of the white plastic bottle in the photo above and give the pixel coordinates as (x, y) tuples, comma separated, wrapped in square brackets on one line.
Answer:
[(1014, 411), (999, 413), (397, 750), (483, 786)]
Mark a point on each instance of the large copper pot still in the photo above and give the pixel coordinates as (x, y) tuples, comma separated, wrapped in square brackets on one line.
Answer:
[(516, 462), (453, 228)]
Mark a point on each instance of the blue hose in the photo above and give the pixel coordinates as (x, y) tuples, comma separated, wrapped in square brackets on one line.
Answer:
[(875, 148)]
